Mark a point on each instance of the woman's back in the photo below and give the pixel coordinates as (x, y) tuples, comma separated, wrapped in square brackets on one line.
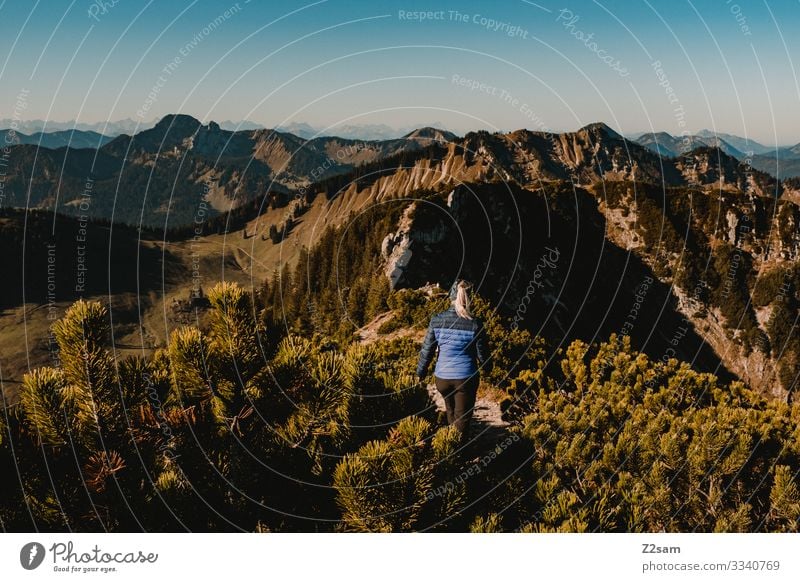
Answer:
[(460, 342)]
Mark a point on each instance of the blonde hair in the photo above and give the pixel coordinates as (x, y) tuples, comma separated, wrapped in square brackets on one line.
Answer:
[(461, 302)]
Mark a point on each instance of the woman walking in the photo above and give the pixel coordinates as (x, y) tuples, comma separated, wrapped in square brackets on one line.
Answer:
[(460, 339)]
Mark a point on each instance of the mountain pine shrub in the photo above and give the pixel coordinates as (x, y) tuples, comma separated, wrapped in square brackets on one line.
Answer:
[(628, 444), (403, 483)]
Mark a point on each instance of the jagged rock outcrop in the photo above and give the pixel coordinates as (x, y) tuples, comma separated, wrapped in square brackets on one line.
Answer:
[(398, 248), (713, 168)]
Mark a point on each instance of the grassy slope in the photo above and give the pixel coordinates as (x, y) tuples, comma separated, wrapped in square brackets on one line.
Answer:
[(144, 319)]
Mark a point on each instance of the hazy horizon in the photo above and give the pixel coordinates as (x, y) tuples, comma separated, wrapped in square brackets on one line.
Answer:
[(332, 131)]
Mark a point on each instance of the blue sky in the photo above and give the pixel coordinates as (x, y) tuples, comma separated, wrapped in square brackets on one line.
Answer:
[(728, 66)]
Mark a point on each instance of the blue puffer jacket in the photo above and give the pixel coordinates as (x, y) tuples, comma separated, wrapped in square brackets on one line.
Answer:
[(461, 343)]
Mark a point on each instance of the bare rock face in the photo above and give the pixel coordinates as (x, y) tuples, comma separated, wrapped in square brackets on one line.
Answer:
[(455, 202), (398, 257), (421, 229), (733, 223), (387, 245), (396, 248)]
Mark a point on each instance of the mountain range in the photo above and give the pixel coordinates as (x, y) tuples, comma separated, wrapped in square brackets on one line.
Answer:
[(76, 139), (170, 169), (671, 146), (108, 128), (160, 176), (367, 131), (783, 162)]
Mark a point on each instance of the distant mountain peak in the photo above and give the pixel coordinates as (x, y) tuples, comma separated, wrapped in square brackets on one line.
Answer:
[(431, 133), (177, 121), (601, 128), (673, 146), (743, 144)]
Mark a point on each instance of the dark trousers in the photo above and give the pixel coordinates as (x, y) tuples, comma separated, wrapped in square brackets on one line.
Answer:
[(459, 400)]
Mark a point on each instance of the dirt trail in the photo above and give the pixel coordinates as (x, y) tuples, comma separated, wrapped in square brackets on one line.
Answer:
[(488, 426), (369, 333)]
